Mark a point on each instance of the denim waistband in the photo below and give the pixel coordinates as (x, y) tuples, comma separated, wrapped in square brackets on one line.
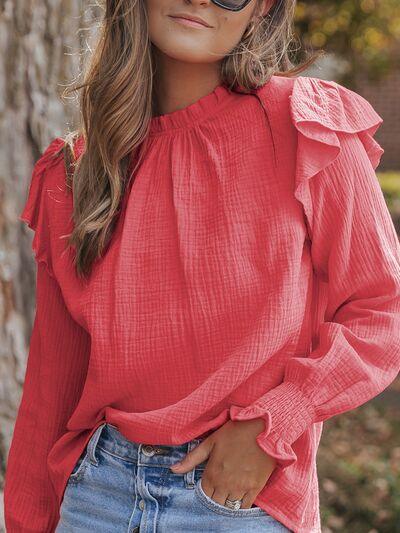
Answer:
[(109, 438)]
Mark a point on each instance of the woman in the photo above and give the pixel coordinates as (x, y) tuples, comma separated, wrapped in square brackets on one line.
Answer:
[(215, 309)]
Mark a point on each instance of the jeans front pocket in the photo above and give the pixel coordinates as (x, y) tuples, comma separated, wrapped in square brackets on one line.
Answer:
[(79, 467), (221, 509), (87, 457)]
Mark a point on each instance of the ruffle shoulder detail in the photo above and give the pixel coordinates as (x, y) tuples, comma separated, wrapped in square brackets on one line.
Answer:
[(35, 211), (320, 111)]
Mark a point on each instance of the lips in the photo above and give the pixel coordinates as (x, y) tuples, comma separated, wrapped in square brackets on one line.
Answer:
[(192, 18)]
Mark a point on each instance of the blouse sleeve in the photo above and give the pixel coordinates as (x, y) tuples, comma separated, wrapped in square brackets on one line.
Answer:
[(355, 249), (55, 372)]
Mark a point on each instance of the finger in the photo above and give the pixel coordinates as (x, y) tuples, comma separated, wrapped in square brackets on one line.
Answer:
[(193, 458), (248, 499), (220, 495), (206, 485)]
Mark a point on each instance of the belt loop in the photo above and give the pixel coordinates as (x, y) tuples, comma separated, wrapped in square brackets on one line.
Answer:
[(91, 448), (189, 476)]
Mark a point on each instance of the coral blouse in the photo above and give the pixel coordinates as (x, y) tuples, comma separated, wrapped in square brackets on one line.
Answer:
[(254, 272)]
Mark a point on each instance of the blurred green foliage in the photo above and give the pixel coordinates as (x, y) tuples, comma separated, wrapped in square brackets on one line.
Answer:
[(358, 470), (390, 184), (366, 32)]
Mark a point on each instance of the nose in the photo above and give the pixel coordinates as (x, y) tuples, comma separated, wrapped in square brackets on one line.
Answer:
[(198, 2)]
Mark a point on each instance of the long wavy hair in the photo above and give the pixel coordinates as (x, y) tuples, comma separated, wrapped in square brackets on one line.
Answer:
[(116, 105)]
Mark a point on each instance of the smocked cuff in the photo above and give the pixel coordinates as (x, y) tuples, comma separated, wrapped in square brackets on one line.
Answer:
[(287, 413)]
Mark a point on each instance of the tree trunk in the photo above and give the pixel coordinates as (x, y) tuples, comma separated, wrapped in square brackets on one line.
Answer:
[(42, 52)]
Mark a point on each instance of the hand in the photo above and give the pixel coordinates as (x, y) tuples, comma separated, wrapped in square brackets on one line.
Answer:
[(237, 468)]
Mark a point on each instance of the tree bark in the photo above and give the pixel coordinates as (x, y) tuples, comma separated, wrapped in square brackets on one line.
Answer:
[(43, 45)]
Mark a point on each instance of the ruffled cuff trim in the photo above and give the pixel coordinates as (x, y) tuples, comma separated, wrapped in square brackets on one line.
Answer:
[(268, 440), (319, 110), (287, 412)]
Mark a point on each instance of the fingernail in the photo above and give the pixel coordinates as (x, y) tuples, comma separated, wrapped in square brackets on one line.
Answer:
[(176, 465)]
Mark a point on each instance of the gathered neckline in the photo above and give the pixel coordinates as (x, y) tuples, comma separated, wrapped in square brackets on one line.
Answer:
[(192, 114)]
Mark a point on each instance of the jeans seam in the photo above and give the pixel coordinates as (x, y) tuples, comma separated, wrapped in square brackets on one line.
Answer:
[(116, 455)]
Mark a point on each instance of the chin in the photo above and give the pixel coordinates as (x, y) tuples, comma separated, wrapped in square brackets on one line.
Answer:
[(185, 53)]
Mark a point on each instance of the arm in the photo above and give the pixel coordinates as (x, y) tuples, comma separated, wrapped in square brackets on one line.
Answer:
[(356, 250), (54, 378), (55, 373)]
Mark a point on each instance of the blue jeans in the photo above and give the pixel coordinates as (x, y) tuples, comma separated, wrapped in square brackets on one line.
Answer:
[(118, 485)]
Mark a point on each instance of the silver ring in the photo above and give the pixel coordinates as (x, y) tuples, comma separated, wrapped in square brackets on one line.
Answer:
[(233, 504)]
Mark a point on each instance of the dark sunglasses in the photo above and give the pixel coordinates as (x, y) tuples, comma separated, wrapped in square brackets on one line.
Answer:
[(231, 5)]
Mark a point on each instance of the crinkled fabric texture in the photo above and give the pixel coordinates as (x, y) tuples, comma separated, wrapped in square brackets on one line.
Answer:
[(254, 272)]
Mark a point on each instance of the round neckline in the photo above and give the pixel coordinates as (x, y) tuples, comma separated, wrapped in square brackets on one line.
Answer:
[(192, 114)]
